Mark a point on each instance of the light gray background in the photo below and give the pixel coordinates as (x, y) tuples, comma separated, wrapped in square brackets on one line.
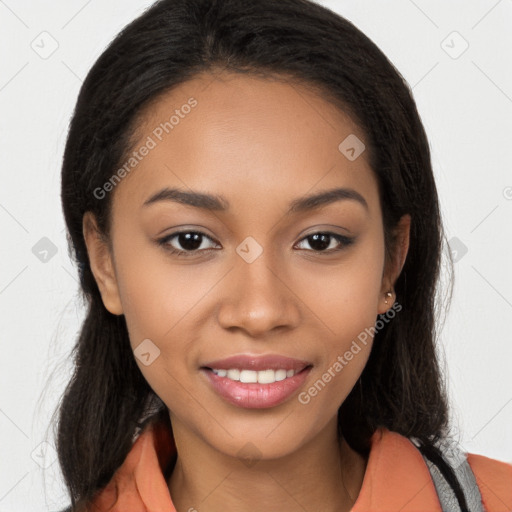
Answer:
[(465, 100)]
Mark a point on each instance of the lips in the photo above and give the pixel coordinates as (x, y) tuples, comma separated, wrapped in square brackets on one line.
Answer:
[(251, 394), (257, 363)]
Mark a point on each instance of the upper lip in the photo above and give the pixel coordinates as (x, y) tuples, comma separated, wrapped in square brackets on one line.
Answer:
[(257, 363)]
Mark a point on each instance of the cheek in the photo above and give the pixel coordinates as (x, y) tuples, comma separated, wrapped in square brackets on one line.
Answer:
[(157, 294), (346, 301), (331, 383), (345, 297), (163, 303)]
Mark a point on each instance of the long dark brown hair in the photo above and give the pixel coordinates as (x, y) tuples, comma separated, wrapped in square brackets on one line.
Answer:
[(401, 386)]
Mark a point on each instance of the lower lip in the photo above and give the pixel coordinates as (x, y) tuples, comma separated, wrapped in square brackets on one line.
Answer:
[(254, 395)]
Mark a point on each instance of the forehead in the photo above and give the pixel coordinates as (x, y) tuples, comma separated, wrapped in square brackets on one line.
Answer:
[(247, 138)]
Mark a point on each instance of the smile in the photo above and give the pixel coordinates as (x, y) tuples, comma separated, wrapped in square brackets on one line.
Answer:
[(262, 377), (251, 389)]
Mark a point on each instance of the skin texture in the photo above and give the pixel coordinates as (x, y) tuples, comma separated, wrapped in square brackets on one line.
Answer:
[(260, 144)]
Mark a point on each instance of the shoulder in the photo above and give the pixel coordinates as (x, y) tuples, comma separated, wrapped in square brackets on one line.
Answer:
[(494, 479)]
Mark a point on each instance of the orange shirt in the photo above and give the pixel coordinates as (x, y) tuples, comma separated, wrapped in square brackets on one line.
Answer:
[(396, 478)]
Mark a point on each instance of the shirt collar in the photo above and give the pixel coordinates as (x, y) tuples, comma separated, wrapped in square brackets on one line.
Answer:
[(396, 477)]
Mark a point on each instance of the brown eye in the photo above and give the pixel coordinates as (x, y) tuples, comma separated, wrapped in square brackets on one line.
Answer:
[(188, 242), (321, 241)]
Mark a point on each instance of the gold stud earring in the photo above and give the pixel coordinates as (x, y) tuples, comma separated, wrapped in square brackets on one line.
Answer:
[(388, 295)]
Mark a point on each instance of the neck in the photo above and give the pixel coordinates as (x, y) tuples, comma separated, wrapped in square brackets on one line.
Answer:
[(324, 470)]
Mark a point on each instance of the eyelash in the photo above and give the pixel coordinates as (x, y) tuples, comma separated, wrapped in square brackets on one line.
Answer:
[(164, 242)]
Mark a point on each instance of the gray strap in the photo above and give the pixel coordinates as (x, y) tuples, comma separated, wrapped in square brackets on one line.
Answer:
[(457, 460)]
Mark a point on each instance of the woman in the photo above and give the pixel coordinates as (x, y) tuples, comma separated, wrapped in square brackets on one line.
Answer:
[(249, 196)]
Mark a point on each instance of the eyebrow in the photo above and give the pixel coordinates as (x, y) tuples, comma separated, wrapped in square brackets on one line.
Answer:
[(213, 202)]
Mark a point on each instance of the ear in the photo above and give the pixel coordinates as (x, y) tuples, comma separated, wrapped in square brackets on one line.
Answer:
[(101, 261), (394, 266)]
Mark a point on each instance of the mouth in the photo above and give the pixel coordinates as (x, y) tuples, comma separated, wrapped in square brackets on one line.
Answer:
[(268, 376), (256, 382)]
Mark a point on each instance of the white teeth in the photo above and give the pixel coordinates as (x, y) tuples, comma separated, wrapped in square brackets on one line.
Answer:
[(248, 376), (280, 374), (233, 374), (266, 376), (252, 376)]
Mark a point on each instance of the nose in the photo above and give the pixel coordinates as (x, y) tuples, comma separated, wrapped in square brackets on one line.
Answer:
[(258, 299)]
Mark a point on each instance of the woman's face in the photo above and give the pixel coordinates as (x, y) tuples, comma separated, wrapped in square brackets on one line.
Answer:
[(256, 281)]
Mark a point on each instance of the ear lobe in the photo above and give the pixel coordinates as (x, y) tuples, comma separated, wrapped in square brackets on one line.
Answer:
[(102, 267)]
